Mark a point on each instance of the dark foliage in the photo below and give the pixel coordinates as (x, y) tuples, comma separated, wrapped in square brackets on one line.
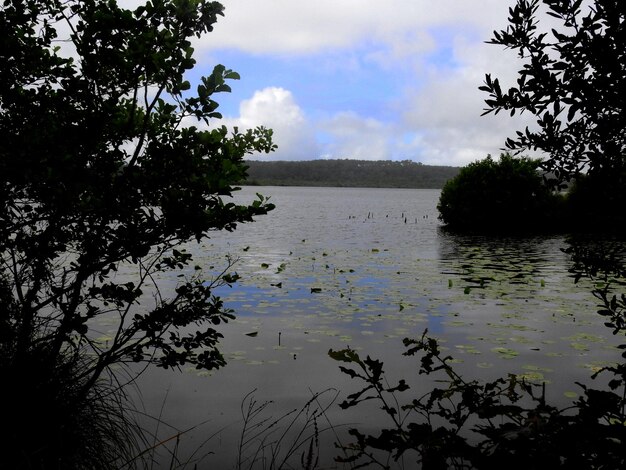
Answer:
[(105, 168), (572, 80), (595, 203), (51, 422), (508, 195)]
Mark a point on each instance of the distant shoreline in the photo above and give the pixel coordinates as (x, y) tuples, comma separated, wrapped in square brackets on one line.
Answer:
[(349, 173)]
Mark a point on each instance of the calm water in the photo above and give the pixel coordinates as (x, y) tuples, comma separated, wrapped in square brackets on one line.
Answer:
[(332, 267)]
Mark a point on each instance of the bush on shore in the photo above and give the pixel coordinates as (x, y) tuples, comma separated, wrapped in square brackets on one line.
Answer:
[(500, 196)]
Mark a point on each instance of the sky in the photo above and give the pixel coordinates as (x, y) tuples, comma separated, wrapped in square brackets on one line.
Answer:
[(365, 79)]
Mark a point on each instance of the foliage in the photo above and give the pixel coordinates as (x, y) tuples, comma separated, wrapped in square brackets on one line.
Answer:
[(106, 170), (572, 80), (53, 423), (594, 203), (503, 195), (506, 423)]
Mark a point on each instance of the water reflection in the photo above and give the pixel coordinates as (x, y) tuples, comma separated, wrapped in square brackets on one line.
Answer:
[(481, 260), (336, 267), (518, 301)]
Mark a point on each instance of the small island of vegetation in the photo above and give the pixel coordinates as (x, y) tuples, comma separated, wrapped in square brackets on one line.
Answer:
[(513, 195)]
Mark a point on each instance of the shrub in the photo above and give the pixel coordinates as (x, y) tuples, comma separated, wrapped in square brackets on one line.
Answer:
[(596, 202), (505, 195), (52, 424)]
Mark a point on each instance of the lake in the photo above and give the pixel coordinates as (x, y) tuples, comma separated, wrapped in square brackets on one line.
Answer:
[(332, 267)]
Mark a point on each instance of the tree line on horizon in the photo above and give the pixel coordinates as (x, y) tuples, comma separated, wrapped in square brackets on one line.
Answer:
[(349, 173)]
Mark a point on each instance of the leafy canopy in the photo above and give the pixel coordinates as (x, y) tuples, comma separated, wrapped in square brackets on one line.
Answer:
[(504, 195), (107, 161), (572, 80), (108, 170)]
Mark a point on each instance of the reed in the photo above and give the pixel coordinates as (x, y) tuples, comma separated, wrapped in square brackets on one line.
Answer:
[(53, 422)]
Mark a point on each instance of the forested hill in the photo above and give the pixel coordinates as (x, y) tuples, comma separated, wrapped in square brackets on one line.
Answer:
[(349, 173)]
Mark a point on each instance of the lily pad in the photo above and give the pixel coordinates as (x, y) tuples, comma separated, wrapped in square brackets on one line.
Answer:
[(532, 376), (505, 353)]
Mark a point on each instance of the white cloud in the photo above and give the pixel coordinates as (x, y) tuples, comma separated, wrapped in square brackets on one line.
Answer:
[(348, 134), (355, 137), (438, 123), (276, 108), (294, 27), (435, 48), (446, 112), (439, 46)]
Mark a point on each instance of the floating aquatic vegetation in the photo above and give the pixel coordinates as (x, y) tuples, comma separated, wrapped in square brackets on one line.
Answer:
[(521, 340), (588, 337), (555, 354), (505, 353), (237, 355), (351, 277), (597, 366), (253, 362), (104, 339), (511, 326), (468, 349), (534, 368), (533, 376)]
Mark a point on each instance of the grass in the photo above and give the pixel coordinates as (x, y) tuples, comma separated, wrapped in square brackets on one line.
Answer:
[(291, 440), (52, 422)]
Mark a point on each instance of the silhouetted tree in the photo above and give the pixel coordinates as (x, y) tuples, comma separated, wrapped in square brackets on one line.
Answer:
[(102, 168), (572, 80), (505, 195)]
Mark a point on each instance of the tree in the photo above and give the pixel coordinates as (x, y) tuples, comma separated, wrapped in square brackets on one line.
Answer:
[(572, 80), (104, 166), (504, 195)]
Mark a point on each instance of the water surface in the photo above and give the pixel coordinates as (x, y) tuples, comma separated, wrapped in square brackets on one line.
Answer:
[(332, 267)]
